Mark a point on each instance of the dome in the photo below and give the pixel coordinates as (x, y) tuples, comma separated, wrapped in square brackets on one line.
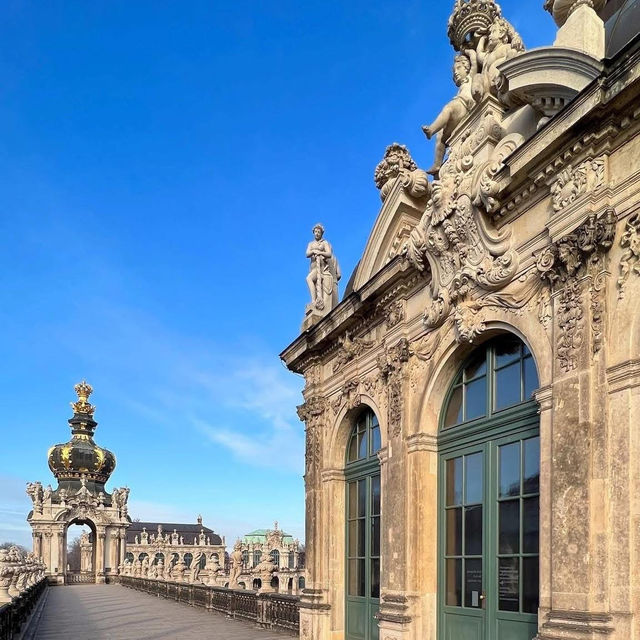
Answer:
[(81, 456), (622, 26)]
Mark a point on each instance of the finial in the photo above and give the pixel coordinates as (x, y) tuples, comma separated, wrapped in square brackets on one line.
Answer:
[(82, 405), (199, 519), (275, 525)]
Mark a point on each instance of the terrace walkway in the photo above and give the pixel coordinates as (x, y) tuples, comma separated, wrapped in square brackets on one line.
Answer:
[(111, 612)]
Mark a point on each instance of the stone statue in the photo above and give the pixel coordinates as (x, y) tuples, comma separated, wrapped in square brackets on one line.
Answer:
[(213, 565), (136, 540), (145, 566), (562, 9), (144, 536), (202, 537), (174, 537), (265, 570), (324, 273), (195, 566), (236, 565), (34, 491), (501, 44), (46, 496), (160, 569), (465, 69)]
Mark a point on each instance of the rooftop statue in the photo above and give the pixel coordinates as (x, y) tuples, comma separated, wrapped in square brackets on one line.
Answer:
[(324, 273), (484, 39)]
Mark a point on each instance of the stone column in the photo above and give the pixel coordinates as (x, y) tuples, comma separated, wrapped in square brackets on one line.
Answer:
[(100, 544), (113, 551), (123, 545), (48, 548), (62, 555)]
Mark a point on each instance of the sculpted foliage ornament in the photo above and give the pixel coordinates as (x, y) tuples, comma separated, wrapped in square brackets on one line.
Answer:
[(572, 182), (454, 237), (350, 348), (398, 163), (562, 265), (630, 260), (311, 413), (391, 364)]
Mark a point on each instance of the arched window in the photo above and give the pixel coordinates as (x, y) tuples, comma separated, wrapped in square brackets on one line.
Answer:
[(275, 557), (365, 437), (257, 583), (362, 472), (499, 375), (292, 560), (256, 558), (245, 558), (489, 479), (188, 558), (301, 583)]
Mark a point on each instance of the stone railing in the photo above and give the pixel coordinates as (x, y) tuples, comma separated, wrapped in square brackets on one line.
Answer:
[(18, 572), (13, 614), (269, 610)]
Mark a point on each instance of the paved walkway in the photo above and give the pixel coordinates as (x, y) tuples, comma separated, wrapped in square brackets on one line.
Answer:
[(111, 612)]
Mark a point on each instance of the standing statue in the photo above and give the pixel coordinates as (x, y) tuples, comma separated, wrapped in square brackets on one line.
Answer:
[(195, 566), (236, 566), (174, 537), (46, 496), (465, 69), (324, 273), (145, 567)]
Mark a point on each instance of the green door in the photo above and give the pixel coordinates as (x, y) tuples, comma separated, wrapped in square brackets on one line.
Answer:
[(363, 529), (489, 499)]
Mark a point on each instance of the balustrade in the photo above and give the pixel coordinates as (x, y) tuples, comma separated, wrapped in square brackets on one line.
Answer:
[(269, 610)]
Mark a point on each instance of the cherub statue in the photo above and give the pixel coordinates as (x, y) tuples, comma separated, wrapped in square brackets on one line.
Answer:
[(465, 69), (324, 272), (501, 44)]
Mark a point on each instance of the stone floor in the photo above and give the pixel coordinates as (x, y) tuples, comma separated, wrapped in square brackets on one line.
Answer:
[(111, 612)]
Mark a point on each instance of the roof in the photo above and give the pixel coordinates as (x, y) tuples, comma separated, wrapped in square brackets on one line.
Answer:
[(188, 531), (260, 535), (622, 26)]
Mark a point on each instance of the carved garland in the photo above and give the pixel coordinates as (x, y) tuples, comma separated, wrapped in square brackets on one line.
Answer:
[(311, 413), (392, 365), (629, 261), (562, 264)]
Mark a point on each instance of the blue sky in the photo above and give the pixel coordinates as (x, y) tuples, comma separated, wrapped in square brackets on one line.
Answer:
[(162, 165)]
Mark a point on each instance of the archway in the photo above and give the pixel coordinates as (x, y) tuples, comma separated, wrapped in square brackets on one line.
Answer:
[(79, 552), (275, 583), (488, 513), (257, 583)]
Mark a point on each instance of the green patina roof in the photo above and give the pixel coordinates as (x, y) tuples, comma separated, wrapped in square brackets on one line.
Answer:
[(260, 535)]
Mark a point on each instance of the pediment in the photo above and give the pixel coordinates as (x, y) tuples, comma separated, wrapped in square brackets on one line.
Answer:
[(399, 215)]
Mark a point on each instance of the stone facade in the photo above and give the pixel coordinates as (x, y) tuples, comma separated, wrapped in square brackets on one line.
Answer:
[(531, 228)]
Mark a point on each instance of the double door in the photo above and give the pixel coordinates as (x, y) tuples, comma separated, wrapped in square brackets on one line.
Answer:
[(489, 539)]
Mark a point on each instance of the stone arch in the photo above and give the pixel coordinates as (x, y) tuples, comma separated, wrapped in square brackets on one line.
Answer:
[(341, 430), (450, 355), (76, 520)]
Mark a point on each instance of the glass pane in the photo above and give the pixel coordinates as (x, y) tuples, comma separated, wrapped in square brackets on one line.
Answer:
[(361, 538), (375, 495), (530, 378), (510, 470), (507, 391), (454, 481), (473, 485), (477, 367), (375, 578), (353, 577), (508, 584), (353, 499), (362, 445), (453, 581), (530, 525), (475, 401), (531, 479), (375, 439), (361, 577), (507, 350), (353, 447), (353, 539), (473, 530), (454, 532), (454, 410), (530, 585), (473, 583), (362, 497), (375, 536), (509, 527)]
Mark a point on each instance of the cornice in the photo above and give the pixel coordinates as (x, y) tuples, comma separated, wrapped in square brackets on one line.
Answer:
[(422, 442), (625, 375)]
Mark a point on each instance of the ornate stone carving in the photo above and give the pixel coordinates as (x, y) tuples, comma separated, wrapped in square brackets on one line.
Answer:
[(311, 413), (398, 163), (573, 182), (350, 348), (630, 242), (454, 236), (391, 364), (468, 321), (561, 264), (394, 314), (349, 395)]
